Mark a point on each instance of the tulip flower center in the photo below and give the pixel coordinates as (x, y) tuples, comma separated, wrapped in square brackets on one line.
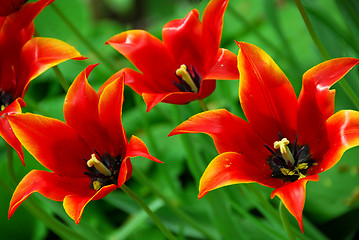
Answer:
[(103, 171), (189, 80), (5, 99), (288, 161)]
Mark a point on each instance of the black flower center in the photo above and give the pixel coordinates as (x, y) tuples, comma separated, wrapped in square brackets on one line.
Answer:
[(5, 99), (189, 80), (288, 161), (103, 170)]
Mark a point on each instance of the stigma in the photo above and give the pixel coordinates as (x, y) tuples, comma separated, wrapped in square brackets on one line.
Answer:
[(94, 162), (289, 161), (282, 145), (103, 170), (189, 80)]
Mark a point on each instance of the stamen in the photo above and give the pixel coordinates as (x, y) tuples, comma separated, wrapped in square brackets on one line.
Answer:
[(96, 185), (183, 73), (285, 151), (94, 162), (2, 107)]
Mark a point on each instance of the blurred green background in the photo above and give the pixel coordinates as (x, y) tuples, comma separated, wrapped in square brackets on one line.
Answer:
[(332, 204)]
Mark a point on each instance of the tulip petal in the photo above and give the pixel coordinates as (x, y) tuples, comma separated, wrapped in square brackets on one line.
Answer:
[(267, 97), (74, 204), (5, 129), (181, 36), (53, 143), (212, 21), (125, 172), (152, 99), (293, 196), (40, 54), (110, 111), (26, 14), (50, 185), (149, 55), (9, 6), (225, 66), (316, 101), (81, 112), (137, 147), (229, 132), (343, 133), (140, 83), (232, 168)]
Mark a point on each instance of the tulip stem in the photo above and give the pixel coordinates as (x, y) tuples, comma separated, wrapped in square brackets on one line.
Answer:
[(347, 89), (10, 164), (143, 179), (81, 37), (203, 105), (154, 218), (64, 84), (284, 218)]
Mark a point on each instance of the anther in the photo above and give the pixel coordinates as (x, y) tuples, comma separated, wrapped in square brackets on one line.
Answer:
[(285, 151), (96, 185), (94, 162), (183, 73)]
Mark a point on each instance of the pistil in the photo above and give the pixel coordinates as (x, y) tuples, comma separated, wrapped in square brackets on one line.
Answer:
[(285, 151), (183, 73), (94, 162)]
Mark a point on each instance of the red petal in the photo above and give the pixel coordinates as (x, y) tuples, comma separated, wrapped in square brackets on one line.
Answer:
[(267, 97), (81, 112), (5, 129), (316, 101), (40, 54), (137, 147), (225, 66), (26, 14), (177, 97), (53, 143), (212, 21), (9, 6), (182, 37), (110, 111), (229, 132), (50, 185), (343, 133), (125, 172), (140, 83), (149, 55), (231, 168), (293, 196), (74, 204)]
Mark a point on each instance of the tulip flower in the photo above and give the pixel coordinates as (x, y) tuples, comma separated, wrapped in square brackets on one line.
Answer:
[(183, 67), (88, 156), (23, 58), (286, 142)]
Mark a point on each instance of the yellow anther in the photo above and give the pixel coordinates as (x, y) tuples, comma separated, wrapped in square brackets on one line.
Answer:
[(302, 166), (2, 107), (94, 162), (96, 185), (183, 73), (284, 150)]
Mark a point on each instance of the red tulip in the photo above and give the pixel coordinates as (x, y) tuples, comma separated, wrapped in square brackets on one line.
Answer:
[(183, 67), (88, 155), (23, 58), (286, 142)]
